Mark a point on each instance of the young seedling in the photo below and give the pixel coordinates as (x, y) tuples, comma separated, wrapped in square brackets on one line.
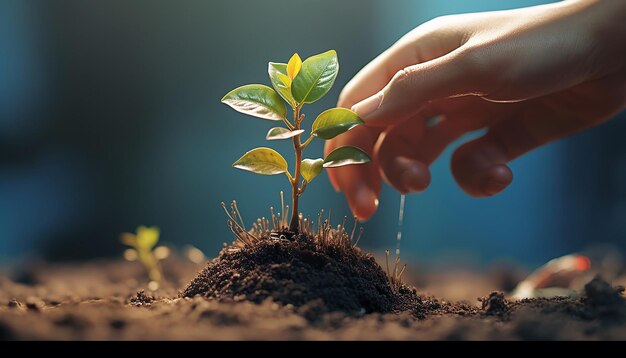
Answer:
[(143, 249), (297, 83)]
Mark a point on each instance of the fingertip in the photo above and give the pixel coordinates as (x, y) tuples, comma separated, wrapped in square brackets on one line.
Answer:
[(487, 182), (415, 177), (496, 179), (363, 203), (367, 108), (406, 175), (479, 168)]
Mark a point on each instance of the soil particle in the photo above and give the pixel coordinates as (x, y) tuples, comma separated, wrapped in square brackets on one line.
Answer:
[(313, 278), (495, 304), (141, 299), (53, 302), (604, 301), (600, 293), (35, 304), (15, 304)]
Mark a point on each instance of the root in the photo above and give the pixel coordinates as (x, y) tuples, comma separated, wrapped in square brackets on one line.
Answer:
[(395, 276), (276, 227)]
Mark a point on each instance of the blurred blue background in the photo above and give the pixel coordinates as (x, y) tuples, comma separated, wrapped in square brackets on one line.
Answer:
[(110, 118)]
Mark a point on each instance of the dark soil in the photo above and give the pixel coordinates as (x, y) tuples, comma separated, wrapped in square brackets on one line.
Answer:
[(304, 274), (109, 300), (495, 304), (141, 299)]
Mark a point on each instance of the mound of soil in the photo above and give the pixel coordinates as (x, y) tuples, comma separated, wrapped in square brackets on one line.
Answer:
[(302, 273)]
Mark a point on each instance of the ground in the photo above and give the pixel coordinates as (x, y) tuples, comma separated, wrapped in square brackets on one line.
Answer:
[(109, 300)]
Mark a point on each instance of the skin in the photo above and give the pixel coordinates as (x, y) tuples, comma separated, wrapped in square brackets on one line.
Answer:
[(528, 76)]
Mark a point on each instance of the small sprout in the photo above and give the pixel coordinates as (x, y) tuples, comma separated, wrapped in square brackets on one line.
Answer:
[(297, 83), (142, 248)]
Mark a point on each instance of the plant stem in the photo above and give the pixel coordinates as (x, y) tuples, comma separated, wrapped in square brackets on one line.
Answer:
[(294, 226), (307, 142), (289, 125)]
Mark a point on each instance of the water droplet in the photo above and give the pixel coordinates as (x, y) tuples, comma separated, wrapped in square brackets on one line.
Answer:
[(400, 224)]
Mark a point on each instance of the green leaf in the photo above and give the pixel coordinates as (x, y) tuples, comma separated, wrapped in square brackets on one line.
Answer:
[(264, 161), (293, 66), (279, 133), (346, 156), (334, 122), (311, 168), (278, 75), (129, 239), (285, 80), (147, 237), (316, 77), (257, 101)]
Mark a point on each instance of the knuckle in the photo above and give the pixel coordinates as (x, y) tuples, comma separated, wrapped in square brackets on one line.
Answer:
[(403, 79)]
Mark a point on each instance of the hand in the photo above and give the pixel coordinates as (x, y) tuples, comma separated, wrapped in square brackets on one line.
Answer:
[(529, 76)]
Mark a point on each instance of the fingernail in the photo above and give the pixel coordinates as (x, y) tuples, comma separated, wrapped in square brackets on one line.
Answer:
[(368, 106)]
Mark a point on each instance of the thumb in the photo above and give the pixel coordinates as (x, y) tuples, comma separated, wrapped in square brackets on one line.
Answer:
[(453, 75)]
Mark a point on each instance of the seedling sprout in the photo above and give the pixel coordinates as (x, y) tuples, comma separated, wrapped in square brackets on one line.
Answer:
[(296, 83), (143, 248)]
